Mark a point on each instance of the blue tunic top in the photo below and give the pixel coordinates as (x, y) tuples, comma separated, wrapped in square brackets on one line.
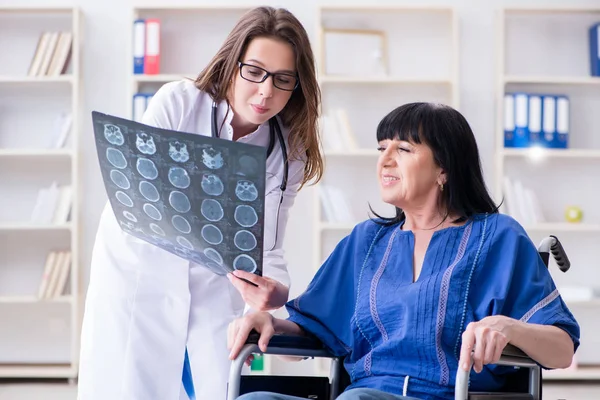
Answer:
[(363, 304)]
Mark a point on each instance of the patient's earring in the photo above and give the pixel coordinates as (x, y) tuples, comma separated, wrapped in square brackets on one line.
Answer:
[(441, 187)]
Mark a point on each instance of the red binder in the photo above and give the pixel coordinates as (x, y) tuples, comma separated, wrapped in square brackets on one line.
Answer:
[(152, 57)]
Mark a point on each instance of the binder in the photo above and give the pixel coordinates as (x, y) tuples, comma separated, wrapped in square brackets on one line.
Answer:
[(152, 55), (139, 106), (535, 120), (521, 138), (595, 49), (139, 45), (509, 119), (548, 120), (562, 122)]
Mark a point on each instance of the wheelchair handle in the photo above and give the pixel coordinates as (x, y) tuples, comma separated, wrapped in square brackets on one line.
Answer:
[(551, 244)]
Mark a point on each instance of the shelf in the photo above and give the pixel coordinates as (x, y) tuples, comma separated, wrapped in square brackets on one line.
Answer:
[(352, 153), (384, 80), (35, 10), (563, 227), (37, 371), (36, 153), (553, 80), (337, 226), (37, 79), (551, 10), (577, 374), (142, 78), (34, 227), (538, 153), (34, 300)]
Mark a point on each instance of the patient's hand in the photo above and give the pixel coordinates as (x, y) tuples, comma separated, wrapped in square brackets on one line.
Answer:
[(240, 328), (486, 339)]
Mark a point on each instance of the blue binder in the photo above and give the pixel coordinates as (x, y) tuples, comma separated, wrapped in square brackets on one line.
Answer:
[(521, 137), (595, 49), (562, 122), (509, 119), (548, 121), (534, 124), (139, 45)]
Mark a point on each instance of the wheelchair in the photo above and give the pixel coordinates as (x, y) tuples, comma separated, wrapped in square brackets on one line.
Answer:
[(525, 384)]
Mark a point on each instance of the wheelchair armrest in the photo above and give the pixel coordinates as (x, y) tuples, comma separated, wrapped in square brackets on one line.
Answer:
[(511, 356), (288, 345), (288, 341)]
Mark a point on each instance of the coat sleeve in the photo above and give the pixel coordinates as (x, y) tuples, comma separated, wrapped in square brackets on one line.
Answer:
[(516, 283)]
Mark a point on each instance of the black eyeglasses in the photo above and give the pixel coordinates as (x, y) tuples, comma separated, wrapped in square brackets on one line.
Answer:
[(281, 80)]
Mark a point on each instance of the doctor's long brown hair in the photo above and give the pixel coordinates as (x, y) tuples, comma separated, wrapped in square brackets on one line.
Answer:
[(301, 112)]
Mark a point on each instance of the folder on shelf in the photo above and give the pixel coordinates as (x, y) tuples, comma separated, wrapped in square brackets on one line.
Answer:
[(140, 102), (535, 120), (562, 122), (62, 54), (48, 267), (521, 137), (38, 56), (49, 50), (548, 120), (595, 50), (139, 45), (152, 53), (509, 119)]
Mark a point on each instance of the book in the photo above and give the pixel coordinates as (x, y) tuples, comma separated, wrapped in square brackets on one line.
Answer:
[(199, 197)]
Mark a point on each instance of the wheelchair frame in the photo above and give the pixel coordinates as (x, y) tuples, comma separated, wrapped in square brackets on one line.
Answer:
[(311, 348)]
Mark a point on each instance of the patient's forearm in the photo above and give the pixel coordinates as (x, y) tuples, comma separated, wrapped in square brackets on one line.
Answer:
[(548, 345), (287, 327)]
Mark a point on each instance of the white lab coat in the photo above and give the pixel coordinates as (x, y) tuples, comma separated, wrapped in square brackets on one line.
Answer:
[(144, 305)]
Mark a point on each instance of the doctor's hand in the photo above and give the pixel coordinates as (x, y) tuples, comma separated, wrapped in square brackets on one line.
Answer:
[(268, 294), (486, 339), (239, 329)]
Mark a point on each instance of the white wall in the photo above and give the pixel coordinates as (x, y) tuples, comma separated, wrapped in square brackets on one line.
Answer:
[(106, 63)]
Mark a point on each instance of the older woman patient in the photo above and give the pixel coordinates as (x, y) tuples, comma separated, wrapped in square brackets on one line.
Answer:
[(406, 300)]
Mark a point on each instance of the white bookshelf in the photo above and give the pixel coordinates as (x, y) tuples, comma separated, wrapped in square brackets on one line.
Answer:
[(429, 36), (40, 337), (540, 51)]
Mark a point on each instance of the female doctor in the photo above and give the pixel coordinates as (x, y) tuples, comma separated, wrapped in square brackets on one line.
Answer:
[(144, 305)]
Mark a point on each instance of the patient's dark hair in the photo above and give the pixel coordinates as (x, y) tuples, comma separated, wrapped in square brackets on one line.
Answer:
[(448, 134)]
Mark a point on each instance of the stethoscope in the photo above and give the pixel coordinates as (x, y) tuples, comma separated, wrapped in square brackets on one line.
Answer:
[(274, 129)]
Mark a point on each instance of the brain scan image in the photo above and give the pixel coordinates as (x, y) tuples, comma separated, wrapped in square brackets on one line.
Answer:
[(246, 191), (157, 229), (248, 165), (178, 151), (181, 224), (244, 262), (213, 255), (244, 240), (119, 179), (127, 225), (129, 216), (152, 212), (149, 191), (145, 143), (211, 234), (113, 134), (146, 168), (212, 185), (179, 201), (211, 210), (124, 199), (245, 216), (184, 242), (212, 158), (116, 158), (179, 177)]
